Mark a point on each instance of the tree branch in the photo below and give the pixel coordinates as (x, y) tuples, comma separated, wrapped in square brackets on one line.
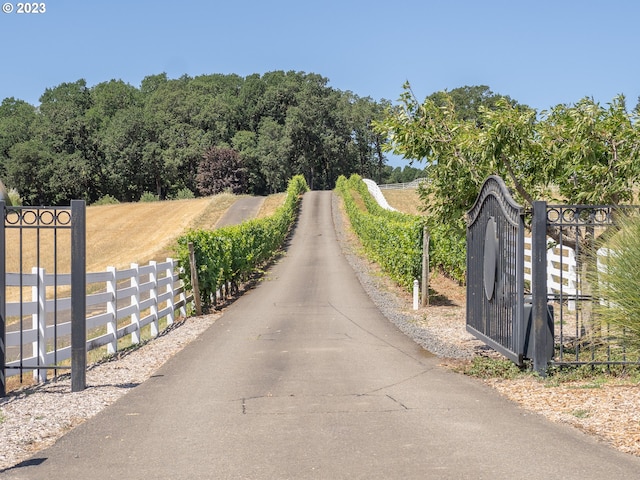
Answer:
[(519, 188)]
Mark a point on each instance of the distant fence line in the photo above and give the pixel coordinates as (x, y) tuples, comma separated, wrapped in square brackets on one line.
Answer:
[(39, 329), (402, 186)]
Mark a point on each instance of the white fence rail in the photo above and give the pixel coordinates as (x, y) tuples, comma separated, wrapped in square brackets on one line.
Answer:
[(142, 295), (403, 186), (562, 274), (375, 192)]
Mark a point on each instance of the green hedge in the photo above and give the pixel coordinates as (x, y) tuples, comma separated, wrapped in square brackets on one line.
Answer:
[(228, 255), (392, 239), (448, 249)]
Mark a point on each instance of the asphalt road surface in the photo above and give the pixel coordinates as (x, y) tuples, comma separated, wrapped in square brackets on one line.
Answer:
[(304, 378), (243, 209)]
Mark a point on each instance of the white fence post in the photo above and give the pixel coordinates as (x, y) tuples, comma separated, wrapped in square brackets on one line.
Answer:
[(416, 294), (112, 310), (39, 322), (183, 299), (153, 294), (135, 301), (170, 290), (572, 277)]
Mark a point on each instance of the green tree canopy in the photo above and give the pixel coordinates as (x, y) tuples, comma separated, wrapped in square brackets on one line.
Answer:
[(584, 152), (119, 140)]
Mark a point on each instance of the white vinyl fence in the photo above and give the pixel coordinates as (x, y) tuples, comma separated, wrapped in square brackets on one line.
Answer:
[(375, 192), (561, 271), (125, 301), (562, 275), (402, 186)]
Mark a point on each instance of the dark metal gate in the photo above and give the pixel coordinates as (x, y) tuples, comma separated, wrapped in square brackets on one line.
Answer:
[(556, 317), (33, 238), (495, 270), (583, 231)]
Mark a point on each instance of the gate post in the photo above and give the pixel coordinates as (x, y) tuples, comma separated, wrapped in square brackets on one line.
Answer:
[(542, 334), (3, 304), (78, 296)]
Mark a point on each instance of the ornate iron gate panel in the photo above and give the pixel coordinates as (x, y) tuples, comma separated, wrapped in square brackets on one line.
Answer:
[(583, 233), (495, 270), (32, 239)]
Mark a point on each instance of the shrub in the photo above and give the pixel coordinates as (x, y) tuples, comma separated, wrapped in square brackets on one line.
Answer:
[(618, 285), (106, 200), (183, 194), (149, 197)]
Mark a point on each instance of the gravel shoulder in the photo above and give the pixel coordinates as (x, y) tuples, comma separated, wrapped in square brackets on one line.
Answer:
[(35, 417)]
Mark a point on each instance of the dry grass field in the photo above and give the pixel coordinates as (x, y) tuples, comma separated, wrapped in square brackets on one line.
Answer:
[(406, 201), (121, 234)]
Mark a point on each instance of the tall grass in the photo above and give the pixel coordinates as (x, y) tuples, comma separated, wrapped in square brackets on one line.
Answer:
[(617, 306)]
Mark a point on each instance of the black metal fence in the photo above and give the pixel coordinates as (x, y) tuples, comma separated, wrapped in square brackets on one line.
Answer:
[(43, 237), (547, 314), (578, 234)]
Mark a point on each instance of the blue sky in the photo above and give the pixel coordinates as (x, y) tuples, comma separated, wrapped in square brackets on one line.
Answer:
[(541, 53)]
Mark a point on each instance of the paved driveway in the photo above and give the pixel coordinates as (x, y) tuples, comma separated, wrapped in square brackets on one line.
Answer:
[(243, 209), (304, 378)]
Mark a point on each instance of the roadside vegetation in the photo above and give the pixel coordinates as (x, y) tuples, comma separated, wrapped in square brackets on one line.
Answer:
[(228, 256), (392, 239)]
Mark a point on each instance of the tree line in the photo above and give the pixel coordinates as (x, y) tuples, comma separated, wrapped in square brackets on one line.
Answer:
[(187, 136)]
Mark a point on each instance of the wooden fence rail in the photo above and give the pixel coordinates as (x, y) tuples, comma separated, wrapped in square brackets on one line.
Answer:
[(124, 302)]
